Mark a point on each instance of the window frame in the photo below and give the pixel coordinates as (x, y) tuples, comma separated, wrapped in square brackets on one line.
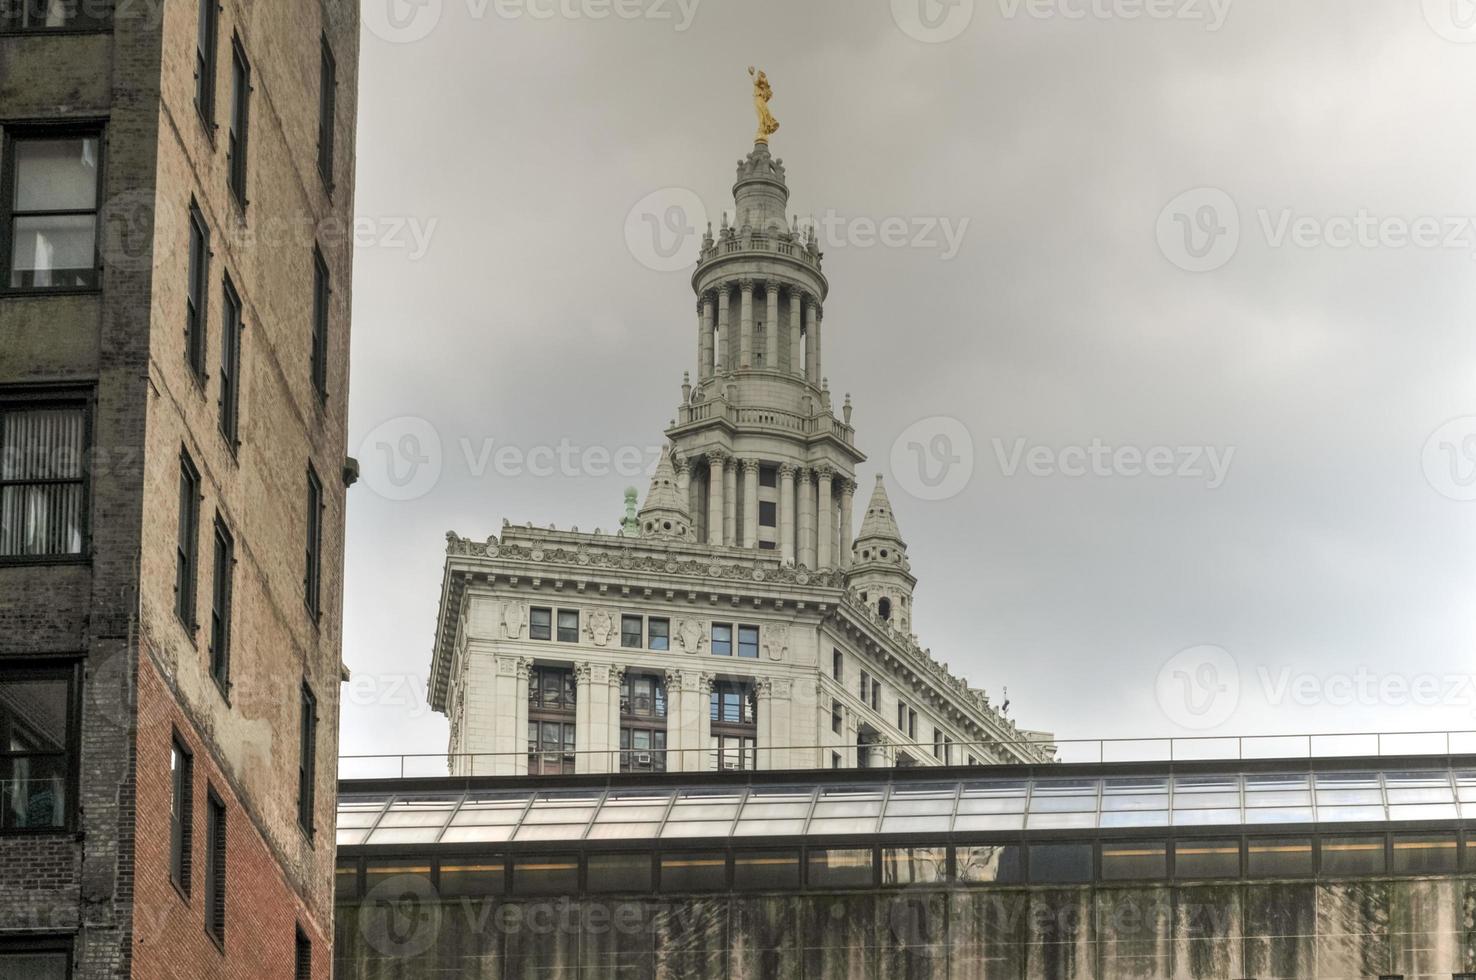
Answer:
[(103, 25), (197, 293), (307, 761), (22, 945), (652, 636), (70, 670), (22, 399), (222, 589), (187, 553), (181, 815), (217, 858), (312, 578), (302, 954), (207, 63), (548, 627), (81, 129), (713, 639), (626, 619), (232, 326), (238, 140), (560, 629), (327, 112), (322, 308)]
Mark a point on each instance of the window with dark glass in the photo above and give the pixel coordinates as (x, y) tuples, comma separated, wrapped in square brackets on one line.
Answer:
[(236, 151), (303, 956), (1284, 858), (837, 665), (837, 719), (990, 864), (37, 746), (205, 47), (841, 867), (215, 867), (701, 872), (307, 760), (322, 308), (220, 604), (187, 546), (42, 479), (835, 760), (546, 875), (734, 723), (632, 632), (181, 812), (643, 723), (1207, 859), (471, 878), (346, 879), (1353, 856), (766, 870), (230, 364), (630, 871), (568, 626), (312, 580), (52, 209), (768, 476), (540, 624), (551, 727), (1129, 861), (327, 110), (30, 959), (768, 514), (658, 634), (54, 15), (551, 688), (1060, 863), (748, 642), (1425, 853), (722, 639), (195, 293)]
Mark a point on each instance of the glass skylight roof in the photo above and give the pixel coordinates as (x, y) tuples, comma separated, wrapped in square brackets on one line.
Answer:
[(1256, 800)]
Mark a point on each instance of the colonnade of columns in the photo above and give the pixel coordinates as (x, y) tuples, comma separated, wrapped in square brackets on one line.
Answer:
[(813, 523), (715, 315)]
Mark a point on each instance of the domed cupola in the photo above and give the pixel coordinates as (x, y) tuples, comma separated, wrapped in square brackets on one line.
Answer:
[(880, 571)]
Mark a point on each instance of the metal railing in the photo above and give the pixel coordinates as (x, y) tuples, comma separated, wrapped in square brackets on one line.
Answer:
[(1205, 748)]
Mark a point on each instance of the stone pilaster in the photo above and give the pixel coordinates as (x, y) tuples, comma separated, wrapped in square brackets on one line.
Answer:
[(750, 503), (715, 480), (812, 348), (517, 762), (824, 519), (848, 495), (705, 326), (786, 514), (771, 326), (730, 502), (583, 718), (796, 331), (745, 340), (819, 347), (721, 363), (806, 493)]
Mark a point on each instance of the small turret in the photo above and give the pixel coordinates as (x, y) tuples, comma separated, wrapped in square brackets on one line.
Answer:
[(665, 514), (880, 570)]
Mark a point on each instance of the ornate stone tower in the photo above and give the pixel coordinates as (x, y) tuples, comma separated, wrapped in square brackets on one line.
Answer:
[(880, 570), (758, 454)]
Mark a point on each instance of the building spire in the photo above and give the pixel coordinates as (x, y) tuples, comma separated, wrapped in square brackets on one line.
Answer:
[(879, 523), (665, 514)]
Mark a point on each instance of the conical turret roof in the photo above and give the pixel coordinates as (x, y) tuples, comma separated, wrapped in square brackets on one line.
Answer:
[(665, 514), (879, 523)]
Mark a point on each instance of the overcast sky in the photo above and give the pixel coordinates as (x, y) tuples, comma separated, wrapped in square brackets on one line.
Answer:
[(1240, 232)]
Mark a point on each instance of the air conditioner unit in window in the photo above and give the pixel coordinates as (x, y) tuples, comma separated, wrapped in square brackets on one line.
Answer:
[(643, 758)]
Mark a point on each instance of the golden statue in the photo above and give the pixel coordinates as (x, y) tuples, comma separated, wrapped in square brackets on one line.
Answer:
[(762, 93)]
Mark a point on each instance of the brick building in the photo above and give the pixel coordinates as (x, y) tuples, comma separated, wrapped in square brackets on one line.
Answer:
[(176, 192)]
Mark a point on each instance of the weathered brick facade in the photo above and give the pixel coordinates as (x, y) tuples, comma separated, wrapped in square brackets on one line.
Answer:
[(101, 887)]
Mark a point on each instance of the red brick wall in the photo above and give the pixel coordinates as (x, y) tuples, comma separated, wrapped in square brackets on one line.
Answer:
[(262, 909)]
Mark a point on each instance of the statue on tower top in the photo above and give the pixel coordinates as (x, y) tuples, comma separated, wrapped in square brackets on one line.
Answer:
[(762, 93)]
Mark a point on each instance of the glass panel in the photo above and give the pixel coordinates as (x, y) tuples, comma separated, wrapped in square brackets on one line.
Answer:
[(702, 872), (546, 875), (989, 821), (56, 174), (1425, 854), (1135, 818), (404, 835), (1466, 786), (1353, 856), (1064, 796), (1284, 858), (766, 870), (417, 812), (1002, 796), (1062, 821), (1350, 814), (914, 865), (990, 864), (1207, 859), (1349, 788), (397, 877), (1131, 860), (1207, 792), (1419, 787), (41, 444), (1276, 790), (628, 872), (1271, 815), (53, 250), (472, 878), (1206, 818), (346, 880), (1060, 863), (1135, 794), (1423, 811), (850, 867), (349, 836)]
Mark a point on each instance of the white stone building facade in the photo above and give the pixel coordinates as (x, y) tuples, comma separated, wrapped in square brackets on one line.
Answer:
[(734, 621)]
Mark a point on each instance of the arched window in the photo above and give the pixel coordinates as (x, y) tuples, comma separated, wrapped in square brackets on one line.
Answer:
[(884, 607)]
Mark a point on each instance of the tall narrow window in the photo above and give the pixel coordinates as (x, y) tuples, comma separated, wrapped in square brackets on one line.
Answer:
[(220, 604), (181, 813), (642, 723), (313, 576), (838, 665), (42, 488), (38, 746), (199, 273), (632, 631), (52, 204), (658, 634), (205, 62), (552, 695), (722, 639), (215, 867), (307, 765), (240, 120), (734, 724), (321, 295), (748, 642), (327, 108), (303, 959), (187, 548), (230, 365), (568, 626)]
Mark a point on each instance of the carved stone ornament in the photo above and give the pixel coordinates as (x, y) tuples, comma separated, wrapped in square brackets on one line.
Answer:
[(691, 635), (776, 642), (601, 628), (514, 619)]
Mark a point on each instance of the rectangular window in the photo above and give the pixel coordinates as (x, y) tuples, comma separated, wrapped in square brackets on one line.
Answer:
[(220, 604), (205, 45), (768, 513), (706, 872), (722, 640), (642, 696), (181, 813), (835, 760), (313, 576), (322, 294), (307, 760), (1425, 854), (37, 746), (42, 489), (901, 715), (38, 960), (914, 865), (540, 624), (28, 16), (658, 634), (632, 630), (240, 120), (230, 365), (864, 688), (912, 724), (215, 868), (187, 547), (195, 292), (876, 693), (52, 210), (990, 864), (1060, 863), (1353, 856), (850, 867), (627, 872), (546, 875), (568, 626), (1207, 859), (327, 110), (550, 748), (551, 689), (768, 476), (838, 665), (1134, 861), (642, 749), (303, 958), (837, 718), (1279, 858), (748, 642), (766, 871)]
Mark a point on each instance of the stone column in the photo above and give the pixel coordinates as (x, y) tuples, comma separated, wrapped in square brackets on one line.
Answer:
[(848, 495), (750, 503), (517, 762), (705, 759), (611, 758), (730, 502), (771, 326), (683, 468), (819, 347), (806, 541), (786, 514), (583, 719), (824, 534), (720, 361), (796, 331), (714, 499), (765, 742), (812, 349), (745, 339), (706, 343)]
